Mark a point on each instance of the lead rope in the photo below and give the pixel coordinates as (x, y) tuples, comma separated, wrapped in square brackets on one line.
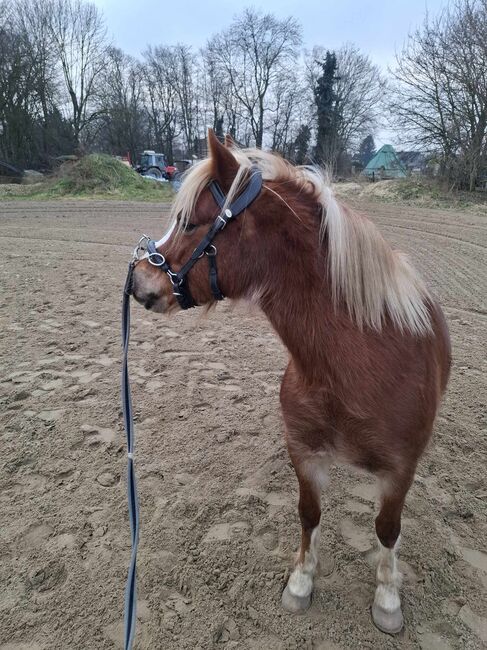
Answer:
[(130, 611), (243, 201)]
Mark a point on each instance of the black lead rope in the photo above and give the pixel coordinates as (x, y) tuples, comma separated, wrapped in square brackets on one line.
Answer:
[(130, 614), (186, 301)]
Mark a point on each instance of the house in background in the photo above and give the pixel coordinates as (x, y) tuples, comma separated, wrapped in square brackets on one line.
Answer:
[(385, 164), (414, 161)]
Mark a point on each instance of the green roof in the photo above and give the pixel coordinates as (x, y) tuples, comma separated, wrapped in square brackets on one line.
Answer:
[(385, 164)]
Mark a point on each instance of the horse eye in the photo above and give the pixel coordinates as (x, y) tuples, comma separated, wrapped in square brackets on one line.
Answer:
[(189, 227)]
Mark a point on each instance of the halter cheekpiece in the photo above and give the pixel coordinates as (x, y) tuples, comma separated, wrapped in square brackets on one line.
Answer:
[(206, 247)]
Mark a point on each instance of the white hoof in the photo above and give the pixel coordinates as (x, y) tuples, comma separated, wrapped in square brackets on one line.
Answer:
[(388, 622), (294, 604)]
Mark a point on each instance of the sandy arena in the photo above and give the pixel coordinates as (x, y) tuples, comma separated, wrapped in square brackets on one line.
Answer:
[(218, 495)]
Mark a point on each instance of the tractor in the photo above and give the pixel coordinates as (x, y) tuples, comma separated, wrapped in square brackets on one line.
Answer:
[(155, 166)]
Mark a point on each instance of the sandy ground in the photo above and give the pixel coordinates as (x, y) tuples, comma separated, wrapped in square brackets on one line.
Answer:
[(218, 495)]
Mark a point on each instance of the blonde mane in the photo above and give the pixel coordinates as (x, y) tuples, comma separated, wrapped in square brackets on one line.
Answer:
[(370, 278)]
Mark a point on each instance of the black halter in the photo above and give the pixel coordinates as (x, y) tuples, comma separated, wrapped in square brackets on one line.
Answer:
[(179, 279)]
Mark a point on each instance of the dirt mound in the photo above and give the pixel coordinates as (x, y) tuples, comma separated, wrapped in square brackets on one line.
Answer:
[(96, 173), (412, 191), (99, 174), (93, 176)]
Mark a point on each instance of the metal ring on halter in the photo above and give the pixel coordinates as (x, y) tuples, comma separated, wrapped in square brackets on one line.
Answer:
[(140, 248), (159, 256), (213, 250)]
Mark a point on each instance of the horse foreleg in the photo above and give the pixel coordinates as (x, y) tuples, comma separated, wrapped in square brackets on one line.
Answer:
[(311, 476)]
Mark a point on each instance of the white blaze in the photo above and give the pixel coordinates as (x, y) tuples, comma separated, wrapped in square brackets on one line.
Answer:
[(165, 238), (162, 241)]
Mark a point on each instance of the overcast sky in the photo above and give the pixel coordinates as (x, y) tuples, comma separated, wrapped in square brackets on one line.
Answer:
[(379, 28), (376, 27)]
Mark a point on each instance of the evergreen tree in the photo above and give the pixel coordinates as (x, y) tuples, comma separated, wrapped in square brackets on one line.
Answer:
[(366, 150), (301, 144), (328, 113)]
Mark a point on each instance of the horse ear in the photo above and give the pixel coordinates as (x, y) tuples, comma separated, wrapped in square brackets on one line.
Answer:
[(229, 141), (224, 163)]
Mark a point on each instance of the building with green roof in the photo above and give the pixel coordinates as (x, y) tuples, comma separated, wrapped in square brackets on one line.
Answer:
[(385, 164)]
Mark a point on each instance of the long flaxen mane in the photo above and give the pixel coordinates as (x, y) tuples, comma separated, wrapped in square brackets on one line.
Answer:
[(370, 278)]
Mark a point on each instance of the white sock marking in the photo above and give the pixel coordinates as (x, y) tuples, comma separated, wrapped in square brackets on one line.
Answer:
[(301, 579), (388, 579)]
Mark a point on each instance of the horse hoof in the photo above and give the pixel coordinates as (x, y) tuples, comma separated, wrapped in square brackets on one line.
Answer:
[(388, 622), (294, 604)]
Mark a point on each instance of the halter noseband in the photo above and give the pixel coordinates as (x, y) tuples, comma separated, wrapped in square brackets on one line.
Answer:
[(206, 247)]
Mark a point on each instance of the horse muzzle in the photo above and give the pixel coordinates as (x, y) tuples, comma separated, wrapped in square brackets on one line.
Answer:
[(150, 288)]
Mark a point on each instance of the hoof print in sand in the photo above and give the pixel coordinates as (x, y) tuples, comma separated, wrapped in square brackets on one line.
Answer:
[(356, 537), (47, 577), (267, 539), (95, 435), (224, 532), (107, 479), (51, 415), (36, 536)]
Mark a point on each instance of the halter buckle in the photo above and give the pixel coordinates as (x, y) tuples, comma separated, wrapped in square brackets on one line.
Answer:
[(226, 219)]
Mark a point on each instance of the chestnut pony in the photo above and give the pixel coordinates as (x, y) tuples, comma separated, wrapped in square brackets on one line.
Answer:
[(369, 351)]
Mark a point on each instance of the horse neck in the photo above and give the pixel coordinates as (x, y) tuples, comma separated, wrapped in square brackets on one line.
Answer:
[(297, 302)]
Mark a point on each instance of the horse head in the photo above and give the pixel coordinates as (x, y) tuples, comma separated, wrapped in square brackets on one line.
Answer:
[(264, 233)]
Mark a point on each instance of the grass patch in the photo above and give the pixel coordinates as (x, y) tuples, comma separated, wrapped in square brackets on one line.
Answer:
[(96, 176)]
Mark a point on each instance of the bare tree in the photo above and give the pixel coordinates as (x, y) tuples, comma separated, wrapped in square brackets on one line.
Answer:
[(17, 104), (440, 92), (288, 108), (253, 53), (182, 77), (31, 126), (163, 99), (79, 36), (121, 102), (172, 77), (214, 89), (31, 23), (360, 89)]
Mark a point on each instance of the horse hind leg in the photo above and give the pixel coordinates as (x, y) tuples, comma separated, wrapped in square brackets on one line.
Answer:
[(312, 476), (386, 609)]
